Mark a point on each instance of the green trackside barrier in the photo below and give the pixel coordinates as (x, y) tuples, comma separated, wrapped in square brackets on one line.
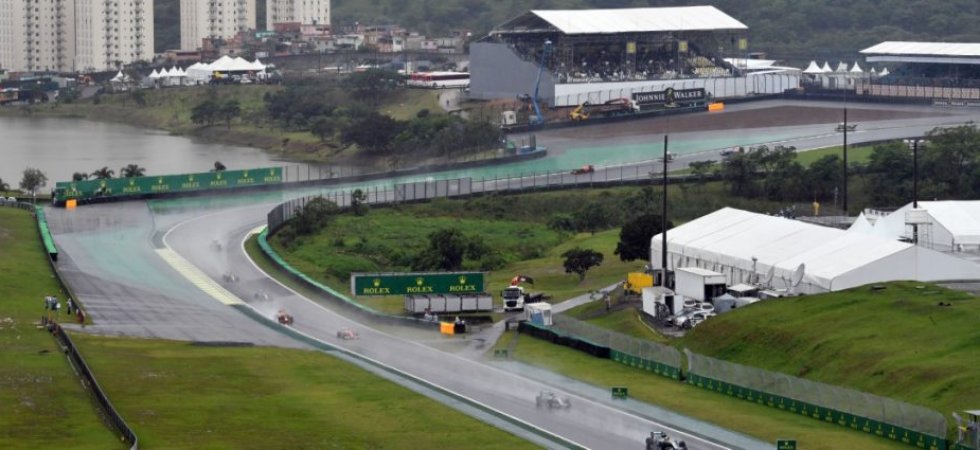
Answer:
[(165, 184), (645, 364), (46, 239), (346, 301), (828, 415)]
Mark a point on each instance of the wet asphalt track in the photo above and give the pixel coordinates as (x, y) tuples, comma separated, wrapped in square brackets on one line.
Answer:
[(109, 256)]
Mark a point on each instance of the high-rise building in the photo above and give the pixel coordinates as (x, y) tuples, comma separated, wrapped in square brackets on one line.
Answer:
[(71, 35), (201, 19), (112, 33), (305, 12)]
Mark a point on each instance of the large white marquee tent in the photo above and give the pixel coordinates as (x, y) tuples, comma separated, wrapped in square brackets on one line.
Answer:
[(745, 245), (954, 225)]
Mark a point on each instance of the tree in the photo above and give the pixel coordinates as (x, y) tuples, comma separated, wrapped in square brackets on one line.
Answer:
[(739, 172), (79, 176), (206, 112), (33, 180), (950, 159), (4, 186), (825, 176), (374, 133), (218, 167), (229, 110), (579, 261), (702, 169), (357, 199), (446, 250), (132, 170), (634, 237), (104, 173), (890, 175), (373, 85), (314, 216), (593, 216)]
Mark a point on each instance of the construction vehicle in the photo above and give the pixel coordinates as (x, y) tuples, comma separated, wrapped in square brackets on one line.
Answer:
[(659, 440), (614, 107), (515, 297)]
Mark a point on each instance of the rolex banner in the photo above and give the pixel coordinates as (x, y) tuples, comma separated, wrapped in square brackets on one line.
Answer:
[(417, 283)]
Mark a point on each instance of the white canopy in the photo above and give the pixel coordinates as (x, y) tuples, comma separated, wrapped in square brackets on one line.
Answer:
[(952, 223), (841, 67), (637, 20), (154, 75), (813, 68), (727, 240), (826, 67), (856, 68), (874, 71), (884, 72), (120, 77)]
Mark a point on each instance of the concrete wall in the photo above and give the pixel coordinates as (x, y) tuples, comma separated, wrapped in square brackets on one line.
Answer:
[(498, 72), (718, 88)]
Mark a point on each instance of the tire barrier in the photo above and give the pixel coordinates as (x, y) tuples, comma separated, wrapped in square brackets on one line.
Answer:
[(46, 239)]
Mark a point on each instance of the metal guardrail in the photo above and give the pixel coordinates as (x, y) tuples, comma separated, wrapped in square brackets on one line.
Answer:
[(88, 378)]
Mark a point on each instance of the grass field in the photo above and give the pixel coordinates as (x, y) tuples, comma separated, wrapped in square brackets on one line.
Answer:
[(179, 396), (752, 419), (855, 154), (896, 342), (43, 404)]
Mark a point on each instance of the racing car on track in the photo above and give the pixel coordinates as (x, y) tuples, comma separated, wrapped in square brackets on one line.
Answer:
[(347, 334), (588, 168), (284, 318), (552, 401), (659, 440)]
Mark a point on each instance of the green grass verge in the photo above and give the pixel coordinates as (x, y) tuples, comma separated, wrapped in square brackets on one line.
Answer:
[(855, 154), (44, 405), (179, 396), (755, 420), (896, 342)]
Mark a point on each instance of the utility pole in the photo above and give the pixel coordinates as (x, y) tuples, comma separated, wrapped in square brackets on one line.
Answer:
[(845, 154), (663, 222)]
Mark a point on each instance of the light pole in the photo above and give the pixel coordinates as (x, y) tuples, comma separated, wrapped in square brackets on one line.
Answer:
[(845, 154), (663, 222), (913, 144)]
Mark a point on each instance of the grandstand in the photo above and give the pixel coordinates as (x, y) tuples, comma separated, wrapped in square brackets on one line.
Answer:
[(937, 70), (603, 54)]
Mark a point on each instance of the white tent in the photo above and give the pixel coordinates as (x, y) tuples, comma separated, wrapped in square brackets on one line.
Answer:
[(953, 225), (841, 67), (884, 72), (727, 240), (861, 225), (826, 67), (154, 75), (813, 68), (120, 77), (873, 71), (856, 68)]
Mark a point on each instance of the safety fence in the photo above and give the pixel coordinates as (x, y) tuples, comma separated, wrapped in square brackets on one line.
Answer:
[(113, 416), (15, 204), (884, 417), (343, 300), (464, 187), (640, 353), (46, 239), (881, 416)]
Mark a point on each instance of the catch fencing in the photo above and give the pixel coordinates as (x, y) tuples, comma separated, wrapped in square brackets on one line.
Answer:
[(463, 187), (640, 353), (881, 416)]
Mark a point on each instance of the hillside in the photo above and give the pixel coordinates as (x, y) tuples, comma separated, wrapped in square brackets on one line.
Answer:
[(898, 341)]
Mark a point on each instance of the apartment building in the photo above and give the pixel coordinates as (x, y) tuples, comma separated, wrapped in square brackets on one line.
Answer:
[(304, 12), (72, 35), (201, 19)]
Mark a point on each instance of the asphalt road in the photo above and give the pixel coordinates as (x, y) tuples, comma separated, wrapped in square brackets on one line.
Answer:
[(114, 258)]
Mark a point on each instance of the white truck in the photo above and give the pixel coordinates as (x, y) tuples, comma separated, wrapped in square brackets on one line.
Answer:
[(515, 298)]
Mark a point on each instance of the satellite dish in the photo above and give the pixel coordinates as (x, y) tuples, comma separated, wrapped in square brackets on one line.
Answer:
[(798, 275), (769, 275)]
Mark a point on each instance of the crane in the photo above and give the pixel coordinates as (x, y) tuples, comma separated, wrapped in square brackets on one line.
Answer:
[(545, 52)]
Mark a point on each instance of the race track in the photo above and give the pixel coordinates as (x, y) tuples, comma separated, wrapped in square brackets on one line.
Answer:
[(161, 269)]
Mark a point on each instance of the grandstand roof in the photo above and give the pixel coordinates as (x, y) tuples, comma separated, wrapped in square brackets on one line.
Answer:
[(924, 52), (625, 20)]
